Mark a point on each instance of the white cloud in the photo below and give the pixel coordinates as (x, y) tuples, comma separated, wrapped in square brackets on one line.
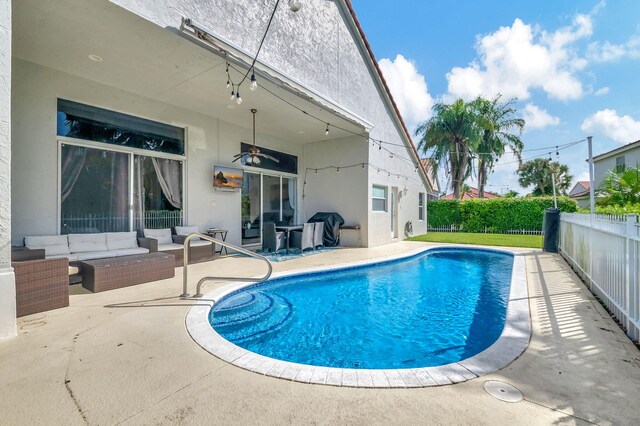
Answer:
[(607, 122), (607, 52), (516, 59), (602, 91), (409, 89), (537, 118)]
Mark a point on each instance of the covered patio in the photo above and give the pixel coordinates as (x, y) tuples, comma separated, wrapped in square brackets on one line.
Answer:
[(165, 75), (125, 357)]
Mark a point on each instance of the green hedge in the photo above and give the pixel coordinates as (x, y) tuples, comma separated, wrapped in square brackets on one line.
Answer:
[(628, 209), (495, 214)]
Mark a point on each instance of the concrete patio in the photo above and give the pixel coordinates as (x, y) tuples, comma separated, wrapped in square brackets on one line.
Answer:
[(124, 356)]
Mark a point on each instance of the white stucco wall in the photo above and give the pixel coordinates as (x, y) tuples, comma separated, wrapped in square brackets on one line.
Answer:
[(343, 192), (315, 47), (209, 142), (7, 284)]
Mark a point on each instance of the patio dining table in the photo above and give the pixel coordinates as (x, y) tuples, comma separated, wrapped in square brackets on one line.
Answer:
[(288, 229)]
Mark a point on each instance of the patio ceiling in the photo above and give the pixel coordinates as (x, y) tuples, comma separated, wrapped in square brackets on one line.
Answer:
[(156, 63)]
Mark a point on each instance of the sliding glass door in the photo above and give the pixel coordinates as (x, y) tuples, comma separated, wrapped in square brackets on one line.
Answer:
[(266, 198), (103, 190), (94, 190)]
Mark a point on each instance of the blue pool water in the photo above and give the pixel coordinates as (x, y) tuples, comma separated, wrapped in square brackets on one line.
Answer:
[(438, 307)]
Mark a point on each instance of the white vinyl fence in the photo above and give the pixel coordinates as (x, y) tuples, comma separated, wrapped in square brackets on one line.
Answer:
[(605, 251), (457, 228)]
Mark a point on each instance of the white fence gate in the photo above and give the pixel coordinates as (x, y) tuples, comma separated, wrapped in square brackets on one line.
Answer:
[(605, 251)]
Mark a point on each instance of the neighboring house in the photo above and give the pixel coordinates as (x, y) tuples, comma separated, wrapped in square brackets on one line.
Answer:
[(617, 159), (473, 193), (114, 115), (580, 193), (432, 177)]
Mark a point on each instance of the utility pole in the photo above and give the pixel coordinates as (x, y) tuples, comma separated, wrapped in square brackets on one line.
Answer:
[(592, 183)]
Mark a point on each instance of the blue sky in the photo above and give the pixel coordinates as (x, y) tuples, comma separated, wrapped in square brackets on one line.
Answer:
[(574, 66)]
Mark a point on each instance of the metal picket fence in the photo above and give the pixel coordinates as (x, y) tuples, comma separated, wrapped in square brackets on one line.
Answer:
[(605, 251)]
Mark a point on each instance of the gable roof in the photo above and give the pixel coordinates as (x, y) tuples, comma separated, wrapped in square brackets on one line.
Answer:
[(389, 97), (580, 189), (618, 150), (473, 193)]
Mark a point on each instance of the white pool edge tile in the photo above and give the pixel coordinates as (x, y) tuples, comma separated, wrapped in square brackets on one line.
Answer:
[(512, 342)]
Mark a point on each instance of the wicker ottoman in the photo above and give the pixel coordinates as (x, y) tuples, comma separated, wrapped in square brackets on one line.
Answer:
[(41, 285), (116, 272)]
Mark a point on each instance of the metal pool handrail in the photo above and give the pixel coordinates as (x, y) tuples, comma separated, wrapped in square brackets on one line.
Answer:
[(187, 245)]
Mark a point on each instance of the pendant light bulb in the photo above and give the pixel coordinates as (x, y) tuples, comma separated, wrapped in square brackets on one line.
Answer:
[(338, 170), (238, 98), (254, 83), (228, 83), (233, 95), (326, 132), (294, 5)]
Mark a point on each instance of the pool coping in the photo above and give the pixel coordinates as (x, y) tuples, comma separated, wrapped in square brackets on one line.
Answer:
[(506, 349)]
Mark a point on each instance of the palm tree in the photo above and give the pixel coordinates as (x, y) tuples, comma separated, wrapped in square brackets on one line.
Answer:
[(452, 134), (621, 187), (497, 121), (538, 172)]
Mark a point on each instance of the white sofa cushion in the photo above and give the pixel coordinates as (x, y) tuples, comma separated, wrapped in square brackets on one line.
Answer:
[(131, 251), (172, 246), (121, 240), (186, 230), (162, 235), (89, 255), (85, 243), (69, 256), (53, 245), (195, 243)]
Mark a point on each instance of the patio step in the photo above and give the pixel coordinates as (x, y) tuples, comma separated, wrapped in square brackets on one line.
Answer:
[(241, 312), (259, 324), (233, 304)]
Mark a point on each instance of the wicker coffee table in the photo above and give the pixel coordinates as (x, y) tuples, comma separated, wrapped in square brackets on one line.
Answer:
[(116, 272)]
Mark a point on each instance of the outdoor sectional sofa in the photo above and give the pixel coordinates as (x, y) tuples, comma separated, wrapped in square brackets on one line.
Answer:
[(78, 247), (171, 241)]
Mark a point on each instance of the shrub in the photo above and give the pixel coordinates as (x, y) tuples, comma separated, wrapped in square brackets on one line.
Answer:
[(494, 214), (628, 209)]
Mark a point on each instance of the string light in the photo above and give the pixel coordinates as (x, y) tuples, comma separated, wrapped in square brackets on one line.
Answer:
[(238, 98), (326, 132), (338, 170), (254, 82), (233, 95)]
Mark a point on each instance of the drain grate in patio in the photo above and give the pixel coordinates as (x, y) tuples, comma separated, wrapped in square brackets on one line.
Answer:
[(503, 391)]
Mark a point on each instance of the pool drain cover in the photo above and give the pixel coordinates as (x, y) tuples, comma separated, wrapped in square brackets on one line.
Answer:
[(503, 391)]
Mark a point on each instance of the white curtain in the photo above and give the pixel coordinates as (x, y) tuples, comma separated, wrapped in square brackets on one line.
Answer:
[(170, 178), (292, 192), (138, 192), (72, 163)]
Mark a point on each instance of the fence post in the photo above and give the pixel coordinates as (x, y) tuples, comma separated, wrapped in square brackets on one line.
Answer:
[(632, 220)]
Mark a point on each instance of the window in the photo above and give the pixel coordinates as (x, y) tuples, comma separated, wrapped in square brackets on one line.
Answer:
[(421, 206), (100, 125), (379, 198), (620, 166)]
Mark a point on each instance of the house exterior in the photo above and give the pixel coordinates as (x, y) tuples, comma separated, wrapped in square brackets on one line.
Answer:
[(472, 193), (114, 115), (625, 156), (580, 193)]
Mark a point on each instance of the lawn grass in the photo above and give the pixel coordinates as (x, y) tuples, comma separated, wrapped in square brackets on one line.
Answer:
[(504, 240)]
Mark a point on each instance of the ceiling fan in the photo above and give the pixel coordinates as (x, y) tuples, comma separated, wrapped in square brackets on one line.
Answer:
[(254, 153)]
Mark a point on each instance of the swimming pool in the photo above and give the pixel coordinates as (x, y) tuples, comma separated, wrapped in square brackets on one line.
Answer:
[(437, 308)]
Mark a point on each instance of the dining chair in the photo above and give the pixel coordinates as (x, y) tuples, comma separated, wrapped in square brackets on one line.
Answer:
[(303, 239), (271, 239)]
